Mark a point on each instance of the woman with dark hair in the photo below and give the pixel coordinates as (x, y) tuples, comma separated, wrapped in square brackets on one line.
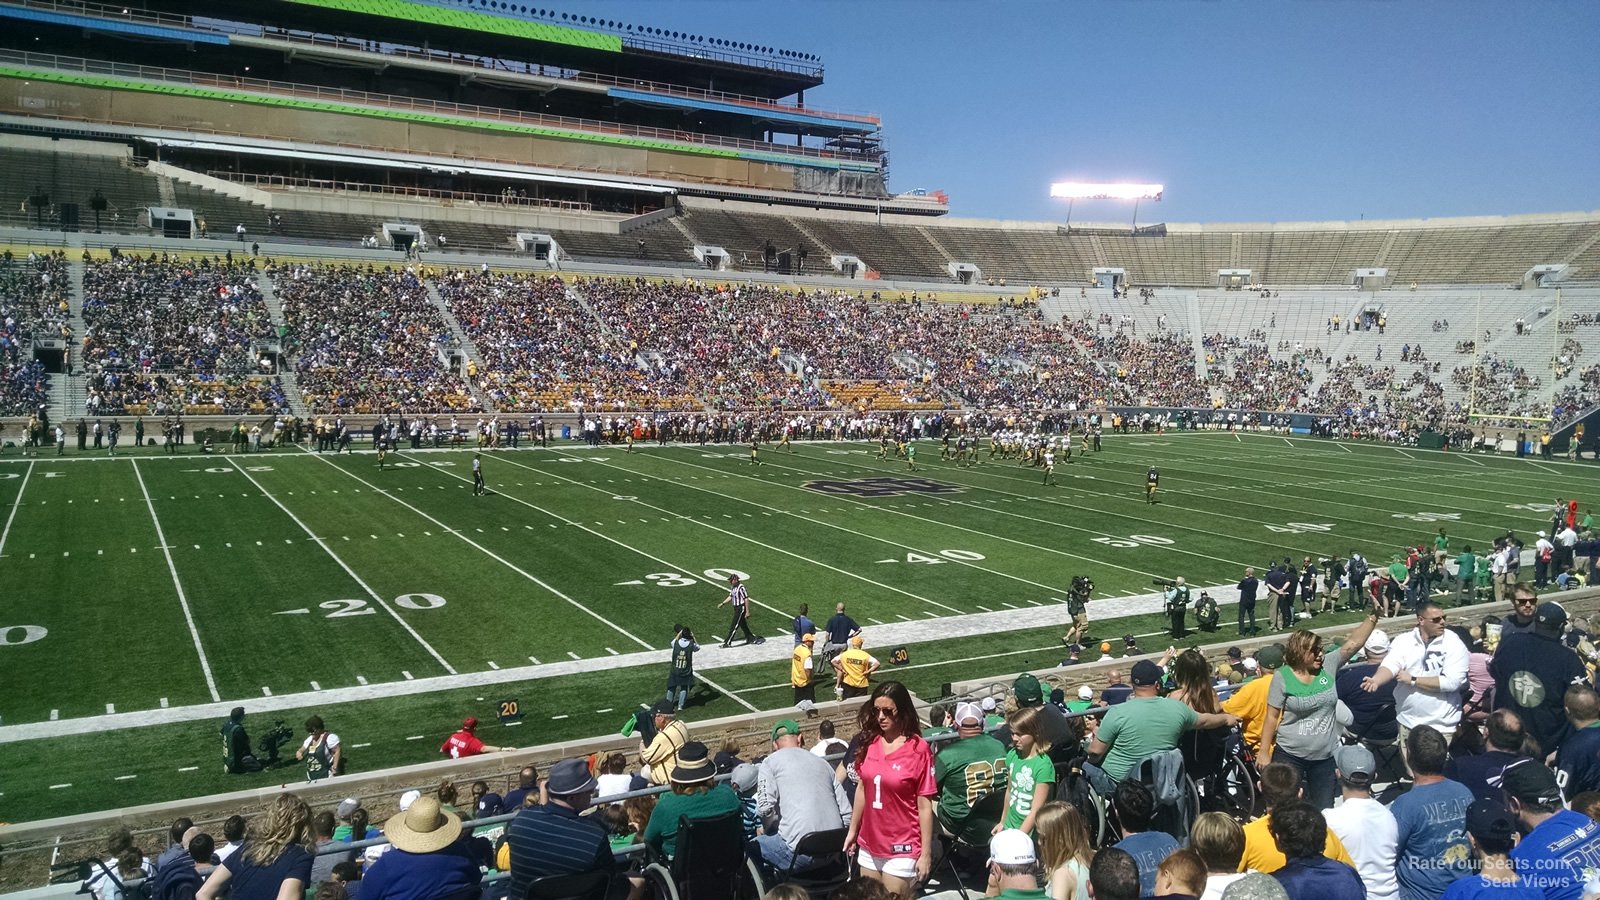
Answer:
[(1203, 749), (891, 830), (273, 864), (1302, 727)]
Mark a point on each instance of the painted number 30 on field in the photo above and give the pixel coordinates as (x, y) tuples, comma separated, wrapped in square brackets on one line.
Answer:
[(679, 579)]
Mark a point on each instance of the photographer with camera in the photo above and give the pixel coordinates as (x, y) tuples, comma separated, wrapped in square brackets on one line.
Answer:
[(1177, 603), (236, 756), (1078, 608), (321, 751)]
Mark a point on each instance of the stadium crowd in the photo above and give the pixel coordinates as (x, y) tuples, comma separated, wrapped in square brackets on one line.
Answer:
[(370, 340), (33, 303), (164, 334)]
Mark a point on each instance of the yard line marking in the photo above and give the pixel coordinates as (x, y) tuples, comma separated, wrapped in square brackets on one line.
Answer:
[(1347, 449), (183, 599), (376, 598), (751, 540), (15, 504), (727, 693), (495, 556)]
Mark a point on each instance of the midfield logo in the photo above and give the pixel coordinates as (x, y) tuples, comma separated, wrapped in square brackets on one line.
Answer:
[(883, 487)]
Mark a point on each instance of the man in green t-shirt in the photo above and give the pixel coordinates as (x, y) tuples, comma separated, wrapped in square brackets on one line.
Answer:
[(1441, 549), (1399, 584), (967, 770), (1140, 727), (1466, 575)]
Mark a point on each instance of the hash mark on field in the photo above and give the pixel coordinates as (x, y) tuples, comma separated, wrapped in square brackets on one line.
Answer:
[(189, 769), (125, 777), (416, 737), (406, 674), (55, 714), (612, 652), (361, 746), (1011, 605), (606, 710), (1035, 603), (315, 686), (111, 708), (494, 667), (258, 543), (986, 609), (361, 679), (535, 660), (163, 703), (57, 787), (562, 716), (266, 691), (573, 655), (877, 621), (903, 618)]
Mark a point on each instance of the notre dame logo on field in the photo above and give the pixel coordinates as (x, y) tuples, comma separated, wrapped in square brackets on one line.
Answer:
[(883, 487)]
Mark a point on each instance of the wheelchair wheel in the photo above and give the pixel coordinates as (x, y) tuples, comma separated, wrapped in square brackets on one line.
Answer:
[(658, 879), (755, 879), (1233, 791)]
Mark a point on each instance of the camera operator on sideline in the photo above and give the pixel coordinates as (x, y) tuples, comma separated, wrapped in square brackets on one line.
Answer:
[(1177, 603)]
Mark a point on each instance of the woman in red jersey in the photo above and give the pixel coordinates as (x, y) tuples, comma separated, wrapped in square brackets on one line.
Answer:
[(891, 831)]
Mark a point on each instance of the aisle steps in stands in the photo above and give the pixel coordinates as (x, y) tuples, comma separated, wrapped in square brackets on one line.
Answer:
[(466, 344), (1196, 322), (286, 372)]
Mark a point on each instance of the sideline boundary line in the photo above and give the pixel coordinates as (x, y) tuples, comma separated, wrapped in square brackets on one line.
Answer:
[(346, 567), (487, 552), (773, 652), (183, 599)]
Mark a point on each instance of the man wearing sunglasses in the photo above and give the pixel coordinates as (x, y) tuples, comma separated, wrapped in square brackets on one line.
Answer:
[(1429, 667), (1524, 603)]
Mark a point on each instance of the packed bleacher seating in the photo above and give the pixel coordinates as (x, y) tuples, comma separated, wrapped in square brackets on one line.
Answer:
[(33, 303), (370, 340), (174, 334)]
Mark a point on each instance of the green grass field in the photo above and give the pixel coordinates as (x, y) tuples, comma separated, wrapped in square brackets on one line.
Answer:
[(143, 595)]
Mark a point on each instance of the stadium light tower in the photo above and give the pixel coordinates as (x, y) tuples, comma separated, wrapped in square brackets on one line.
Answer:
[(1083, 190)]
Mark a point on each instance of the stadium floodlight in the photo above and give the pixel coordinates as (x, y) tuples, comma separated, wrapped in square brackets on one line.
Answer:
[(1083, 190), (1073, 191)]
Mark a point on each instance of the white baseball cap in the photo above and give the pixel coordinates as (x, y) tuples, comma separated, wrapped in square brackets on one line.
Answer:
[(1012, 847), (408, 798), (988, 704), (1250, 664), (968, 712), (1085, 692), (1377, 643)]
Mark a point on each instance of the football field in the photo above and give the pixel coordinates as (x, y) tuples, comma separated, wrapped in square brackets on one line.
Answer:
[(156, 590)]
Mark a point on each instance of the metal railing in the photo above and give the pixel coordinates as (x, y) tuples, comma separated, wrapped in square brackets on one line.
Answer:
[(392, 101), (270, 182), (495, 64)]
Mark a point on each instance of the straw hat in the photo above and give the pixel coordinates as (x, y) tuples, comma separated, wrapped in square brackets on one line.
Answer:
[(424, 828)]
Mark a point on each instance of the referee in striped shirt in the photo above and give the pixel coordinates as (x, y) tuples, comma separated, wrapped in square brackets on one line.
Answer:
[(740, 598)]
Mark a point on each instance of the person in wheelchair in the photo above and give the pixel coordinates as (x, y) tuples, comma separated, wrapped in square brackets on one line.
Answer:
[(1143, 726), (694, 796)]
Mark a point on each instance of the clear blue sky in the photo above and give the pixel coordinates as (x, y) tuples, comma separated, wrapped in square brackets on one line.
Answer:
[(1247, 111)]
